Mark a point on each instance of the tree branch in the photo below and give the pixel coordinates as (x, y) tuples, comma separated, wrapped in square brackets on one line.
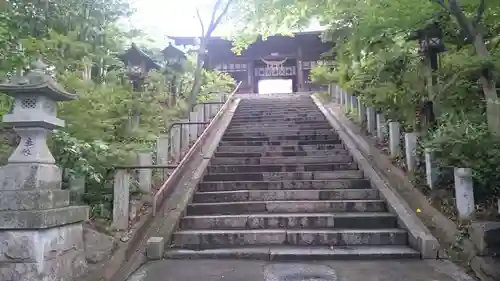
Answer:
[(480, 12), (201, 22), (217, 20)]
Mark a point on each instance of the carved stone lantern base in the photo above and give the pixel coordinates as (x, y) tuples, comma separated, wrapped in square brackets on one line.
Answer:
[(41, 233)]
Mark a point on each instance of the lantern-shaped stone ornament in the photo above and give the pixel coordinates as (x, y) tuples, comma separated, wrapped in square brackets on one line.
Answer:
[(41, 233), (174, 58), (138, 62), (34, 113), (430, 39)]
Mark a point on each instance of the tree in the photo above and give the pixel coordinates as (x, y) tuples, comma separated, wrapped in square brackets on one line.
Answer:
[(219, 11)]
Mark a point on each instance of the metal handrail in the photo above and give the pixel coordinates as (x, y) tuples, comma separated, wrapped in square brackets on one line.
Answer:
[(158, 197)]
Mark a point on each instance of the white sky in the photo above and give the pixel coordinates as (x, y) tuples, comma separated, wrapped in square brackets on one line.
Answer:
[(159, 18)]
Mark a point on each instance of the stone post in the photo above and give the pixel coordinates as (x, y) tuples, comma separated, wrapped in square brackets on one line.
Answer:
[(380, 128), (464, 193), (193, 129), (77, 189), (394, 139), (41, 234), (354, 102), (411, 151), (201, 118), (431, 169), (348, 101), (337, 94), (145, 175), (341, 96), (121, 200), (175, 150), (361, 112), (370, 120), (162, 149), (185, 137)]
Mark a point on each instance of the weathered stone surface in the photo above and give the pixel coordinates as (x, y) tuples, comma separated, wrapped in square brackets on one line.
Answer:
[(486, 268), (155, 248), (486, 237), (11, 200), (30, 176), (98, 246), (66, 267), (42, 218), (51, 254)]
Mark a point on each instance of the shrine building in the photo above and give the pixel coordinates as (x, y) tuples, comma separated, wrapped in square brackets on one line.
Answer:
[(277, 57)]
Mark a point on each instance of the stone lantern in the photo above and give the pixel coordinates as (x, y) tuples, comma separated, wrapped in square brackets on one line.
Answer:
[(175, 61), (41, 233), (431, 43)]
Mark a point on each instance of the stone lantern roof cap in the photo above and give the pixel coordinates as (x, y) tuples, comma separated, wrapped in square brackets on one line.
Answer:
[(38, 82)]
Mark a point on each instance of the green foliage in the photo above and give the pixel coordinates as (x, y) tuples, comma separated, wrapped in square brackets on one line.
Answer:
[(460, 142), (75, 36)]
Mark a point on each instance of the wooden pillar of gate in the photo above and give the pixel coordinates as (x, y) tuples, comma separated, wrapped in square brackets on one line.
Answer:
[(300, 72), (251, 76)]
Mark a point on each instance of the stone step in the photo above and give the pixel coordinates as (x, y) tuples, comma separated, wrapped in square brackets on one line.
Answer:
[(276, 128), (330, 136), (311, 153), (278, 142), (279, 176), (275, 119), (281, 160), (321, 206), (206, 239), (283, 185), (283, 133), (277, 107), (335, 147), (291, 221), (271, 168), (280, 195), (282, 125), (272, 119), (299, 253)]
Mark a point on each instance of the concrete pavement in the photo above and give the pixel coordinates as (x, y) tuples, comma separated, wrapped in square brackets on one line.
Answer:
[(244, 270)]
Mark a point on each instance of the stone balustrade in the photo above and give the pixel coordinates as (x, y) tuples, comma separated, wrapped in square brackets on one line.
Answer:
[(377, 126)]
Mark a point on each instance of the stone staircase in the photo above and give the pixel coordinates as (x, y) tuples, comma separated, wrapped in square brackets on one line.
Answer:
[(281, 185)]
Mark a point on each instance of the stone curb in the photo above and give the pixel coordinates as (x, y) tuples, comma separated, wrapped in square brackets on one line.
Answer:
[(420, 237)]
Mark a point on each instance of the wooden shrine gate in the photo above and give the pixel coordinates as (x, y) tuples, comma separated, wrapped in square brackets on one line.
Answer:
[(276, 57)]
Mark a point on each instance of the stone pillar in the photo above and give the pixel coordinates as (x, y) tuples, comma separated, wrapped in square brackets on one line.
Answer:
[(193, 129), (201, 118), (41, 234), (348, 101), (175, 149), (77, 188), (145, 175), (411, 151), (121, 200), (354, 102), (380, 128), (341, 96), (394, 139), (464, 193), (370, 120), (162, 150), (185, 138), (361, 112), (431, 169)]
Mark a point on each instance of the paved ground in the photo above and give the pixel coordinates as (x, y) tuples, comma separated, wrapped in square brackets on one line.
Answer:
[(241, 270)]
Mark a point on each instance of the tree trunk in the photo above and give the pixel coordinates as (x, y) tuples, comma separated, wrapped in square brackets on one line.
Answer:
[(195, 90), (487, 81)]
